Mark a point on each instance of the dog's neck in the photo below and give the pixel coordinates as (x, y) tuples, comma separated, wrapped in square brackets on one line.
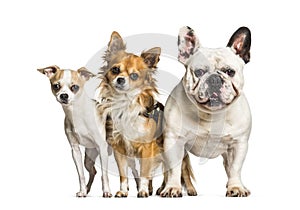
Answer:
[(79, 106)]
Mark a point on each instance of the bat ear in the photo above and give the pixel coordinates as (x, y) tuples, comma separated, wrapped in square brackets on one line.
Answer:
[(85, 74), (151, 57), (188, 43), (49, 71), (240, 42)]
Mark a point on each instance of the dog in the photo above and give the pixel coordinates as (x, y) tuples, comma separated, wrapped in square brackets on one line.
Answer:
[(207, 112), (134, 120), (82, 124)]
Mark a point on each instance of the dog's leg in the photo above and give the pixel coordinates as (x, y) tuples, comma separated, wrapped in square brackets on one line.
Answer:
[(89, 162), (132, 165), (150, 187), (104, 169), (122, 163), (101, 139), (77, 157), (233, 162), (186, 175), (146, 169), (174, 153)]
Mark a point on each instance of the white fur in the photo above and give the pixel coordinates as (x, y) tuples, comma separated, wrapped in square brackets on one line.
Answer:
[(125, 113), (207, 133), (84, 127)]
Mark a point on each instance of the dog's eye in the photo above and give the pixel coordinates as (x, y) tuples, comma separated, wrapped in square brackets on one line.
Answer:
[(115, 70), (74, 88), (56, 86), (229, 72), (199, 72), (134, 76)]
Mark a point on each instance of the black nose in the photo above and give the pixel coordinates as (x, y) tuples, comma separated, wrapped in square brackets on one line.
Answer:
[(64, 96), (215, 82), (121, 81)]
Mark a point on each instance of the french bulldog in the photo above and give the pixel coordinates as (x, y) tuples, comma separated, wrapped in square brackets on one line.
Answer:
[(207, 113)]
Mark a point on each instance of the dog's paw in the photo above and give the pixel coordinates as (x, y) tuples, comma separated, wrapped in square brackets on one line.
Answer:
[(121, 194), (237, 192), (142, 194), (191, 192), (81, 194), (171, 192), (107, 195)]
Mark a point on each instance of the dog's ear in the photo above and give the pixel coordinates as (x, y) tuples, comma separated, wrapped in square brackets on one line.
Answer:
[(240, 41), (188, 43), (151, 57), (116, 43), (85, 74), (49, 71)]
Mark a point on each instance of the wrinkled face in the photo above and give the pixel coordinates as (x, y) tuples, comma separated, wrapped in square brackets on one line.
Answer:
[(66, 85), (128, 73), (214, 77)]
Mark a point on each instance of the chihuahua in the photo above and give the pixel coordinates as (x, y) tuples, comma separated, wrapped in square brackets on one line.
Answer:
[(134, 123), (82, 124)]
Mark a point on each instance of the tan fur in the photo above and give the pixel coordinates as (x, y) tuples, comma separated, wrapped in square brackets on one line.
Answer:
[(132, 103)]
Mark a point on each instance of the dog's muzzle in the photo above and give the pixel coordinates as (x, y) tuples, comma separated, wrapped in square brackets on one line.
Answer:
[(64, 98), (214, 83), (120, 83)]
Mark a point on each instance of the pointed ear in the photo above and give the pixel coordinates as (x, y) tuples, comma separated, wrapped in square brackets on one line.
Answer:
[(151, 57), (116, 43), (85, 74), (49, 71), (188, 43), (240, 41)]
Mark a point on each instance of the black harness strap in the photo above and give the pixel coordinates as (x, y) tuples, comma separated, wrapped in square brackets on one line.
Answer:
[(153, 111)]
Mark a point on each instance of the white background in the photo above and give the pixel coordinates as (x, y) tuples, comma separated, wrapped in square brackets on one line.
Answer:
[(37, 170)]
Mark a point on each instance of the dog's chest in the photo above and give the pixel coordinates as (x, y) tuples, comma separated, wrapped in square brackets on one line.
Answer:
[(127, 119), (82, 124), (209, 146)]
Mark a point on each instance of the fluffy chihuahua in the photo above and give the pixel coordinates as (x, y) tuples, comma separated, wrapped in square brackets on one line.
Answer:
[(134, 116)]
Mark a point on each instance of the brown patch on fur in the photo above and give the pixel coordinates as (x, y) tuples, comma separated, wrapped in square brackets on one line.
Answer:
[(148, 148)]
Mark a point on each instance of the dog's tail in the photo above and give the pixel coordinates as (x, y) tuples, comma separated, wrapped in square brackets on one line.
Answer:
[(187, 174), (187, 167)]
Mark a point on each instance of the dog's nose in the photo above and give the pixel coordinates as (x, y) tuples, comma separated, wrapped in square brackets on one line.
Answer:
[(64, 96), (215, 82), (121, 81)]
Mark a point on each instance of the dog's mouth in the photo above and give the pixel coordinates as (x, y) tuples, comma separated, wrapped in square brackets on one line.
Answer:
[(211, 101), (121, 88), (216, 100), (64, 102)]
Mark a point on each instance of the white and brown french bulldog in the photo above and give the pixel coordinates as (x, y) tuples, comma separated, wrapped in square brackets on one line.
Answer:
[(207, 112)]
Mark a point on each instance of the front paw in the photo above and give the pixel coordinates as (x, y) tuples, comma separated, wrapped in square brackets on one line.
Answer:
[(171, 192), (81, 194), (107, 195), (236, 191), (142, 194), (121, 194)]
